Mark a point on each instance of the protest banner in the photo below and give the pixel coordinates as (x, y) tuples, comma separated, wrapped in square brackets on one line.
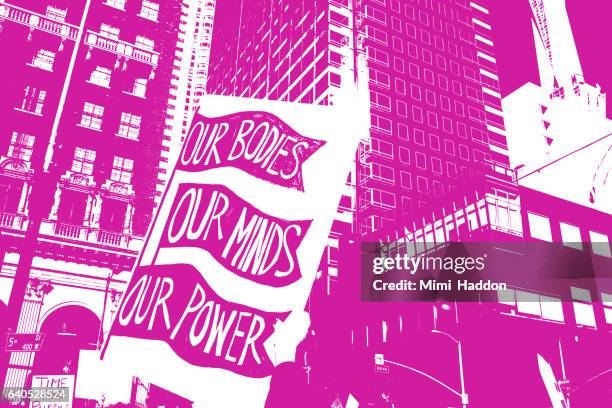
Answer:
[(233, 251)]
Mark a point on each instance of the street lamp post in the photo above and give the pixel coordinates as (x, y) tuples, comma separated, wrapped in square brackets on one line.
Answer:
[(380, 361), (464, 395)]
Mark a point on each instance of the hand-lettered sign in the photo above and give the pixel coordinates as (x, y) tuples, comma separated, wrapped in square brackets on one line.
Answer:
[(232, 254), (257, 142)]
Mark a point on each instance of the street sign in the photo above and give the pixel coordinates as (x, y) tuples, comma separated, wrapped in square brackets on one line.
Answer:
[(379, 364), (59, 390), (24, 341), (383, 369)]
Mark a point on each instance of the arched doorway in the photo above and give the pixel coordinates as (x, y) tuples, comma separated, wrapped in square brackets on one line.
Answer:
[(68, 330)]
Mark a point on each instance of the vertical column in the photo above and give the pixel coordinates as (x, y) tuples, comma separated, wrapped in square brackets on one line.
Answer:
[(127, 224), (20, 363), (23, 199), (56, 202), (87, 218), (96, 209)]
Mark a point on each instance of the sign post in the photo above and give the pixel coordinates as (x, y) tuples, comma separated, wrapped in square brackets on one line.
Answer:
[(24, 342)]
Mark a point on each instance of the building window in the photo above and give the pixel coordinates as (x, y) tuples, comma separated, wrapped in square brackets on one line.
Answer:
[(112, 216), (583, 308), (10, 192), (129, 126), (539, 227), (145, 43), (72, 207), (109, 31), (383, 199), (382, 173), (33, 100), (122, 169), (140, 87), (570, 234), (380, 101), (533, 304), (600, 244), (606, 300), (382, 148), (21, 146), (118, 4), (44, 60), (149, 10), (92, 116), (101, 76), (83, 160)]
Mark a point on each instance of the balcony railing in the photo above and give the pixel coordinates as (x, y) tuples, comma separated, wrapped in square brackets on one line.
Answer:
[(121, 48), (70, 231), (38, 21), (93, 236), (111, 238), (13, 221)]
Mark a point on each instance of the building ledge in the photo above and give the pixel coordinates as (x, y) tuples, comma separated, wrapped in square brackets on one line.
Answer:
[(89, 128), (127, 138), (147, 18), (106, 3), (97, 84), (38, 21), (29, 112), (90, 236), (121, 48), (134, 95), (29, 64)]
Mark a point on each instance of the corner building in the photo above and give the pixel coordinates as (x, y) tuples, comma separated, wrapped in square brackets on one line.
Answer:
[(89, 113)]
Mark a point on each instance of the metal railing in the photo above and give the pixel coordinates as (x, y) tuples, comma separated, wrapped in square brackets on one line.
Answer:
[(12, 221), (87, 234)]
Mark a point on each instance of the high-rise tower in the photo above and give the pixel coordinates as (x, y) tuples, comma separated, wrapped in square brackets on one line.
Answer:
[(437, 134)]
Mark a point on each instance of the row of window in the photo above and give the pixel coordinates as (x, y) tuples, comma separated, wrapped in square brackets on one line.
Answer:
[(424, 18), (101, 76), (384, 125), (539, 228), (33, 100), (550, 308), (382, 101), (83, 162), (148, 10), (442, 62), (529, 304), (112, 32), (129, 125), (385, 149), (22, 144), (387, 200)]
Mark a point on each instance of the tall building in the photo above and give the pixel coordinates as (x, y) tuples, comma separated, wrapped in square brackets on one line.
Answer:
[(287, 51), (554, 171), (90, 116), (194, 51), (437, 128), (283, 51)]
